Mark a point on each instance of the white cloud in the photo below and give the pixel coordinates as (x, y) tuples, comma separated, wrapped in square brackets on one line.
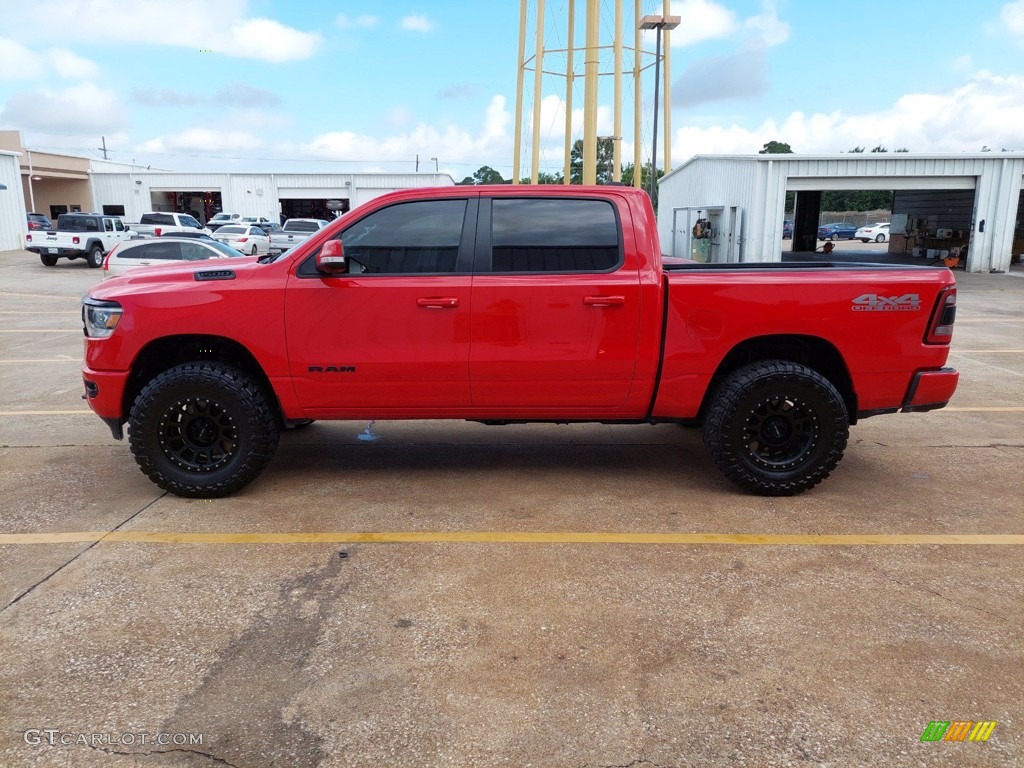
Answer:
[(920, 122), (202, 140), (223, 27), (1012, 15), (767, 25), (451, 143), (702, 20), (417, 24), (72, 66), (20, 63), (364, 21), (82, 108)]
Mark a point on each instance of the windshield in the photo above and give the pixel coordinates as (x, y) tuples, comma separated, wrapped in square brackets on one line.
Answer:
[(231, 231), (301, 226), (222, 217), (225, 250)]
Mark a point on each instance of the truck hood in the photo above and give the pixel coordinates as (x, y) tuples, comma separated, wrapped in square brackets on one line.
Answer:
[(176, 276)]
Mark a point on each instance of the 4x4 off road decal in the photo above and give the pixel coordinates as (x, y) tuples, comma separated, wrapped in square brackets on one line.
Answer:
[(872, 302)]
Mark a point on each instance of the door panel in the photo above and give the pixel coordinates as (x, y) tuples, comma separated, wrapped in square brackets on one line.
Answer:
[(559, 327), (391, 337)]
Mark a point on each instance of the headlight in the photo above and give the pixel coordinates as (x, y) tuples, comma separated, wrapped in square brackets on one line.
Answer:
[(100, 318)]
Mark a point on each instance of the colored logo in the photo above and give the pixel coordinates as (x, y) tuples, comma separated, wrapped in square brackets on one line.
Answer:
[(958, 730)]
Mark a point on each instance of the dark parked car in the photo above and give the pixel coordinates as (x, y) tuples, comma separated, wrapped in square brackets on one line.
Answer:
[(840, 231), (787, 230), (38, 222)]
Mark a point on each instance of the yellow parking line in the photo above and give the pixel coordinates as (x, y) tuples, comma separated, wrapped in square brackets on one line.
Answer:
[(509, 537)]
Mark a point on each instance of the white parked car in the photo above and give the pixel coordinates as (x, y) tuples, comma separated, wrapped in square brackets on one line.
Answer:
[(163, 251), (247, 239), (255, 221), (221, 219), (877, 232)]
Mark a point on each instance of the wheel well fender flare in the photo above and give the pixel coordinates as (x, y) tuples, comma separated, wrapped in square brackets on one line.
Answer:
[(814, 352)]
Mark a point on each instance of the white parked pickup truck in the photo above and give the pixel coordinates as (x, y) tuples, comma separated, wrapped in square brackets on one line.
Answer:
[(157, 223), (293, 232), (86, 236)]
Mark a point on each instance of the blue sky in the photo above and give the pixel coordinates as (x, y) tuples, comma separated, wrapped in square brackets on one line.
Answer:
[(366, 86)]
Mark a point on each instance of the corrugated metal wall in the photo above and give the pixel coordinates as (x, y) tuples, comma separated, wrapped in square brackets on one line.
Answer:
[(12, 204), (758, 184), (251, 194)]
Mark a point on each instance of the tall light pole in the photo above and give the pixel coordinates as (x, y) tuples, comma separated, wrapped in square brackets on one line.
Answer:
[(657, 23)]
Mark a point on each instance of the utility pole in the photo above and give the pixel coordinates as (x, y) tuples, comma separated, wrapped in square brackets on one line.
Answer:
[(104, 147)]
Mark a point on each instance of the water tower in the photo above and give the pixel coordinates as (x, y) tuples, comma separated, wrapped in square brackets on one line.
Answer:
[(596, 52)]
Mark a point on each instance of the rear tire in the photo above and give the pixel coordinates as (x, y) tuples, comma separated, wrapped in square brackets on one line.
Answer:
[(776, 428), (202, 430), (879, 239), (254, 250), (48, 261), (95, 257)]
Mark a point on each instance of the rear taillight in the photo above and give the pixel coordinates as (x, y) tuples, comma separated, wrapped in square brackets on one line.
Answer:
[(242, 239), (106, 261), (940, 327), (76, 240), (158, 230), (28, 238)]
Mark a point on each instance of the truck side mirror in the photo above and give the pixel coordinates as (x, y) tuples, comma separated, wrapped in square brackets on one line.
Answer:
[(331, 259)]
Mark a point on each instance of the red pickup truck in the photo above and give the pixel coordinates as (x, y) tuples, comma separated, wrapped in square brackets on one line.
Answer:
[(510, 304)]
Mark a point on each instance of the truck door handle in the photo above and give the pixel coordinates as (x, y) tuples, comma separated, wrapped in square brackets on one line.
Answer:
[(446, 302), (604, 301)]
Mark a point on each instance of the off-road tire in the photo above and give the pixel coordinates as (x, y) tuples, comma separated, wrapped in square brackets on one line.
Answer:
[(202, 430), (48, 261), (776, 428), (95, 257)]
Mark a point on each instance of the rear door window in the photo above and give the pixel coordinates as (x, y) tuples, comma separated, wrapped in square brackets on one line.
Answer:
[(554, 235)]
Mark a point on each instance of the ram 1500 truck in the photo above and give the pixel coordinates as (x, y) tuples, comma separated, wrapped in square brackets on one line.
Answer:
[(157, 223), (88, 236), (510, 304)]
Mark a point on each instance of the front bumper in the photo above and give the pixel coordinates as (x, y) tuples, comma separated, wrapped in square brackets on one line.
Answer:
[(104, 391), (929, 390)]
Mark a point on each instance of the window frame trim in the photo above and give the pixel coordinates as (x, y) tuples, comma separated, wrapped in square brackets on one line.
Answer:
[(485, 250), (464, 261)]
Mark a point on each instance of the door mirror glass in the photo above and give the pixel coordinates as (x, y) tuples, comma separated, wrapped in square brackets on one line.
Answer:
[(331, 259)]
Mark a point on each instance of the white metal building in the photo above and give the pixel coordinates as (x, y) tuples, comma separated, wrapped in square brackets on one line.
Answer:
[(130, 193), (744, 197), (12, 203)]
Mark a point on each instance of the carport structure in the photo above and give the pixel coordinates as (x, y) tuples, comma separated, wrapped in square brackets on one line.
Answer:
[(744, 197)]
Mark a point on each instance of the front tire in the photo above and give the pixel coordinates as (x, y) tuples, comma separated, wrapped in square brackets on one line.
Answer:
[(835, 237), (776, 428), (202, 430), (95, 257)]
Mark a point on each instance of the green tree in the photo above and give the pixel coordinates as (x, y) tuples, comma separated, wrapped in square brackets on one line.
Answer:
[(645, 175), (484, 175), (544, 178), (605, 160), (857, 151), (776, 148), (879, 148)]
